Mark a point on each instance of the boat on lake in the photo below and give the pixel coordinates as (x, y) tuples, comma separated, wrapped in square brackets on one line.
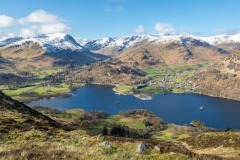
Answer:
[(202, 107), (117, 102)]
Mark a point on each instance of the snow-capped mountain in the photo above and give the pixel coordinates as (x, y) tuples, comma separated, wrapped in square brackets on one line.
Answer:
[(50, 42), (222, 39), (60, 41), (64, 48), (166, 48), (128, 41), (58, 49)]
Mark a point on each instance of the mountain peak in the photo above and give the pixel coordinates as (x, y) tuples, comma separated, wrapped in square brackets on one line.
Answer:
[(50, 42)]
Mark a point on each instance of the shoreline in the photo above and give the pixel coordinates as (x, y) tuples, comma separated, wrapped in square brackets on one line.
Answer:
[(58, 95), (63, 94), (142, 96), (117, 99)]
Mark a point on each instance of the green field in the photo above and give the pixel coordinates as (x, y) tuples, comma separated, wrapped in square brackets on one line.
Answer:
[(168, 135), (173, 76), (157, 73), (132, 122), (44, 73), (39, 89), (124, 89), (183, 70)]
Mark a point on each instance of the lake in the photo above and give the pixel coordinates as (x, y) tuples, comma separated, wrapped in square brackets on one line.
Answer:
[(173, 108)]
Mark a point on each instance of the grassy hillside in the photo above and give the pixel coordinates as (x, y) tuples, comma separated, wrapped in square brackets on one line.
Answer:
[(221, 79), (146, 55), (17, 116), (108, 73)]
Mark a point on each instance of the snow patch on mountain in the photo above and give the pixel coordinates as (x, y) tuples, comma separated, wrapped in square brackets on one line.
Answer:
[(222, 39), (128, 41), (50, 42), (60, 41)]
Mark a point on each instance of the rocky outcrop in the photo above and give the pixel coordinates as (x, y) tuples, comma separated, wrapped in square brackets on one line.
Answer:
[(141, 147), (157, 148), (106, 144)]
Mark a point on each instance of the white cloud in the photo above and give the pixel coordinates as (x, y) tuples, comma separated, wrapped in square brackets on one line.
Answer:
[(6, 21), (52, 28), (164, 27), (4, 35), (42, 22), (37, 22), (139, 29), (40, 16), (26, 32), (44, 29)]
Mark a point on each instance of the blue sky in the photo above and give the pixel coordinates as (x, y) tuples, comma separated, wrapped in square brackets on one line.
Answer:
[(93, 19)]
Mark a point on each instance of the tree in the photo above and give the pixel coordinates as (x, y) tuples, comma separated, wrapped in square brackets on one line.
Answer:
[(117, 130), (105, 130)]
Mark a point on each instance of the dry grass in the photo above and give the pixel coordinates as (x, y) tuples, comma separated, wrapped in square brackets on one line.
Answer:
[(73, 145), (225, 152), (224, 144)]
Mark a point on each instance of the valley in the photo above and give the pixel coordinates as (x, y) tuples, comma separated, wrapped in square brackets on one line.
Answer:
[(138, 65), (68, 84), (119, 80)]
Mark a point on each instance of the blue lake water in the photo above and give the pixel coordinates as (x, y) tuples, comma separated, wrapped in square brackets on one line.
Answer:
[(173, 108)]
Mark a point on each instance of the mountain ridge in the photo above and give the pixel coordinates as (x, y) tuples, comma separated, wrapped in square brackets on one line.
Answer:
[(165, 49), (121, 41), (25, 118), (128, 41)]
